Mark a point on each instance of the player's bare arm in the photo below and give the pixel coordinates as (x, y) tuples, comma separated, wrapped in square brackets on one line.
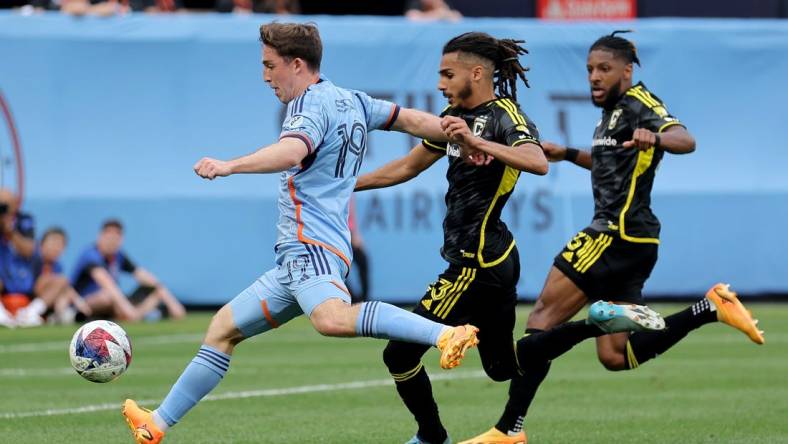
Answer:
[(401, 170), (557, 153), (420, 124), (526, 157), (280, 156), (675, 140)]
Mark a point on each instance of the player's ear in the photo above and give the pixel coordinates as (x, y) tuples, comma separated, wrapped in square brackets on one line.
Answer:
[(477, 73), (628, 72)]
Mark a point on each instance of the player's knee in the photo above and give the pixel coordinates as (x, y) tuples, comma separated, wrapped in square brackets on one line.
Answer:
[(222, 331), (613, 361), (330, 326), (498, 372)]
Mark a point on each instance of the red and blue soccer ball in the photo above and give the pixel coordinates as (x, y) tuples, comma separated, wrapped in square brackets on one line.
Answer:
[(100, 351)]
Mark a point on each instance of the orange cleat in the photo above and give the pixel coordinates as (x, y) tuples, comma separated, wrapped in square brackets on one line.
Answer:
[(140, 421), (733, 313), (454, 342), (495, 436)]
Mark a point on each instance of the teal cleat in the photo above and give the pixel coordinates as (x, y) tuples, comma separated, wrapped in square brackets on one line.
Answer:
[(615, 318), (417, 440)]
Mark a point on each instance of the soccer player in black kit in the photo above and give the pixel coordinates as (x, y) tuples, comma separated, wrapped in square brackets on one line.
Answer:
[(611, 258), (490, 142)]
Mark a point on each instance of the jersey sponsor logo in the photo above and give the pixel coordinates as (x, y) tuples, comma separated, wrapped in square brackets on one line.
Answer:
[(453, 150), (605, 141), (614, 119)]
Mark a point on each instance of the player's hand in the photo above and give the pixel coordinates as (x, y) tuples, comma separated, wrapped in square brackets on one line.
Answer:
[(553, 151), (210, 169), (474, 157), (642, 139), (456, 130)]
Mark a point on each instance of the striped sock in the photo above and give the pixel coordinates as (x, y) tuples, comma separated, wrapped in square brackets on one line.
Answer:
[(381, 320), (200, 377)]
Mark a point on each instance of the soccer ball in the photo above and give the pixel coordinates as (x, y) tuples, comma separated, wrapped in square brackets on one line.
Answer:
[(100, 351)]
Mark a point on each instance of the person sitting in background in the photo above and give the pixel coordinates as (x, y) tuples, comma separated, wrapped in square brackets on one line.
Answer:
[(17, 245), (431, 10), (53, 289), (96, 279)]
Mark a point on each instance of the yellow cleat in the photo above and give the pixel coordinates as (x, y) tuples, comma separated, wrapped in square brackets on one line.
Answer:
[(454, 342), (733, 313), (495, 436), (140, 421)]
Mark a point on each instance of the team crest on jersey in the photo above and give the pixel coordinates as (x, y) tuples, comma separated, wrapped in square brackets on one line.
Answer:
[(478, 125), (614, 119)]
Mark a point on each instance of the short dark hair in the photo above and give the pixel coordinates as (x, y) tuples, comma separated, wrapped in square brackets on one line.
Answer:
[(502, 53), (51, 231), (112, 223), (619, 46), (294, 40)]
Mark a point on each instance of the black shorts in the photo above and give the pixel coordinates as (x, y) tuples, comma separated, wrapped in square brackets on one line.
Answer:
[(484, 297), (606, 267)]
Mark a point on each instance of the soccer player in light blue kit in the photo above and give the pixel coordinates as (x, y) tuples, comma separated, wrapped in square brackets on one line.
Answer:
[(318, 155)]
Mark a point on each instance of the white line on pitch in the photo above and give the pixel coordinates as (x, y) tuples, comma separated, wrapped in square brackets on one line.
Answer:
[(31, 347), (245, 394)]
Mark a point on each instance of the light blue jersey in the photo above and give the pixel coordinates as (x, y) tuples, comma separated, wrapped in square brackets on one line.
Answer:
[(313, 197)]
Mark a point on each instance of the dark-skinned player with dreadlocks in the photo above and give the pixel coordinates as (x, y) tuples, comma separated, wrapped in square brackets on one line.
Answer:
[(612, 258), (491, 142)]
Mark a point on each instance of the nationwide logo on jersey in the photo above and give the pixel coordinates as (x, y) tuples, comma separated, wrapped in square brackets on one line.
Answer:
[(605, 141), (453, 150), (614, 119)]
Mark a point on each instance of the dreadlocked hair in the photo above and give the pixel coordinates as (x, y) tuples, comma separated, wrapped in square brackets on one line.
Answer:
[(619, 46), (503, 54)]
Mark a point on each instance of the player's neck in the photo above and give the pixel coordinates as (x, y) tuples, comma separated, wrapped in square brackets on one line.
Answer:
[(477, 98), (305, 82)]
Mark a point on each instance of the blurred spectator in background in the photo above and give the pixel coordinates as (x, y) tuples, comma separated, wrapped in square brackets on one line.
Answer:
[(31, 280), (281, 7), (360, 260), (431, 10), (17, 245), (52, 288), (106, 8), (96, 279)]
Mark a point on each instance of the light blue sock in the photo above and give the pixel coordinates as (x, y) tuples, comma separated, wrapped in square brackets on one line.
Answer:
[(382, 320), (200, 377)]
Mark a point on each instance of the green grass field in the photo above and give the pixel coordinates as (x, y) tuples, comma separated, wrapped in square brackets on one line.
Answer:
[(292, 385)]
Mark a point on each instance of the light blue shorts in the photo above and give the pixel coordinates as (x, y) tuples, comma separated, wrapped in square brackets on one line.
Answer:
[(296, 286)]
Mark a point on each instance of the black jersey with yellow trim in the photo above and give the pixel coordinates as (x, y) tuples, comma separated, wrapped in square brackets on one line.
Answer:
[(622, 178), (473, 233)]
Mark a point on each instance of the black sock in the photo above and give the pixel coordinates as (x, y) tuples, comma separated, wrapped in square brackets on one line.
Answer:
[(645, 345), (546, 345), (522, 390), (416, 393)]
